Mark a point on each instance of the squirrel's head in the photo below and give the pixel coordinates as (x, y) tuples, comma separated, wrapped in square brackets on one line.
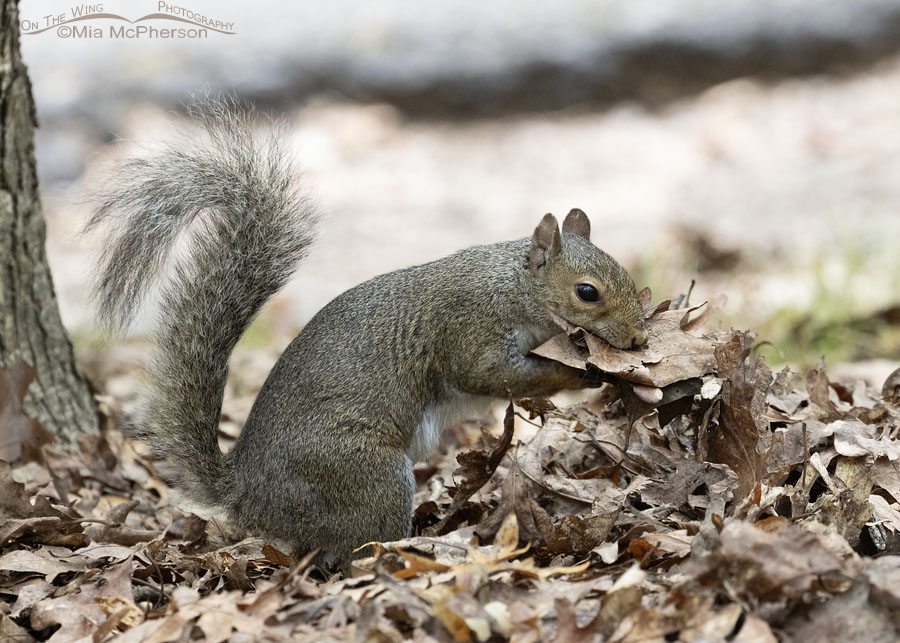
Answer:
[(584, 285)]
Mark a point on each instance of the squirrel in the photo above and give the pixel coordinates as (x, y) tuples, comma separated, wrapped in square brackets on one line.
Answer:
[(325, 460)]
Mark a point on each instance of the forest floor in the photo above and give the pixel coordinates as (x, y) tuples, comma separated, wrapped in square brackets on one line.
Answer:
[(699, 497)]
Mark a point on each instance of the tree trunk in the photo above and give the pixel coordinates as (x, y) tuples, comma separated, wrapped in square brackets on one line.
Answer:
[(30, 326)]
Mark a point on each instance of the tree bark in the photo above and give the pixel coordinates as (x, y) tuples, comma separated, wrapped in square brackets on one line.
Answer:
[(30, 326)]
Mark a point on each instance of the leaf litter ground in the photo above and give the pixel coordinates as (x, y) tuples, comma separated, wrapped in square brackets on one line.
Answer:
[(697, 497)]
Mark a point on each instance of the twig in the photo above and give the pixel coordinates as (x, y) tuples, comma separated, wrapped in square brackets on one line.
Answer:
[(805, 456), (467, 489)]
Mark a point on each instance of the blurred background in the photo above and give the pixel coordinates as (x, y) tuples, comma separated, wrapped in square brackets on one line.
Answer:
[(750, 146)]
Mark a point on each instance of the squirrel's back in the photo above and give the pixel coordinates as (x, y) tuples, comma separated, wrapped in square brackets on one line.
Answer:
[(338, 359)]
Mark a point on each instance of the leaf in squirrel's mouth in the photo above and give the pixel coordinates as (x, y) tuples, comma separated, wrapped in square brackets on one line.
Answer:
[(673, 353)]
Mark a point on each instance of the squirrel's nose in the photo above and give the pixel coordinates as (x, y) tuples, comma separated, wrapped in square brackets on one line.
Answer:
[(639, 339)]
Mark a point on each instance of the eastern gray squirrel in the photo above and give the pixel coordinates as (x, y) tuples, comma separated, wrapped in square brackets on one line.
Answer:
[(325, 460)]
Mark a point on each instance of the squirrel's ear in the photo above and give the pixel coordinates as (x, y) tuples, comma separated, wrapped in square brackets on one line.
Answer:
[(577, 223), (545, 244)]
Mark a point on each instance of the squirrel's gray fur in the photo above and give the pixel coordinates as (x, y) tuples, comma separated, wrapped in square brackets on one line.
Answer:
[(325, 460)]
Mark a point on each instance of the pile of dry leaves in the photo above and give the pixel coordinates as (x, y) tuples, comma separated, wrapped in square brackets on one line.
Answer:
[(697, 497)]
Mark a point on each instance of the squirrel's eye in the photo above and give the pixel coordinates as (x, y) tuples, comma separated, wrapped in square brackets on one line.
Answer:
[(587, 293)]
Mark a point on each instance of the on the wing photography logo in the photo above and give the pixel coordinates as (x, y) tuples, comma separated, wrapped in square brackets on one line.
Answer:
[(91, 22)]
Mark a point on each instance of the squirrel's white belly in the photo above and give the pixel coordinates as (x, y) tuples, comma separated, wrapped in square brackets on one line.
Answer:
[(530, 337), (436, 417)]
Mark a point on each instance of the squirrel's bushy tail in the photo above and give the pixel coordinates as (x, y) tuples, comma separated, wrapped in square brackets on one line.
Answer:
[(251, 228)]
